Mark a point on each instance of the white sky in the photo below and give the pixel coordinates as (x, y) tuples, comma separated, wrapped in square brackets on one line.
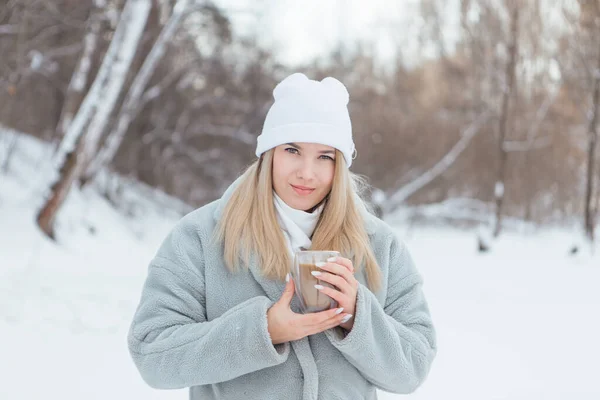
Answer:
[(302, 30)]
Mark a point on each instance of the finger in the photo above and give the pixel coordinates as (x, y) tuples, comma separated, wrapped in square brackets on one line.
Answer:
[(335, 280), (342, 261), (328, 323), (334, 294), (338, 269), (343, 318), (333, 322), (288, 292), (318, 318)]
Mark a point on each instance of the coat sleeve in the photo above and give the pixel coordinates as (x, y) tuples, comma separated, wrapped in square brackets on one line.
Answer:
[(172, 343), (392, 345)]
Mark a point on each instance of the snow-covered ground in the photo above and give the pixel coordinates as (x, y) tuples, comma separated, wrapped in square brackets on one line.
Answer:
[(521, 322)]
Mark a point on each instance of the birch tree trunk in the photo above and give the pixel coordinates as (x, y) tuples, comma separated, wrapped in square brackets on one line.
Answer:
[(132, 101), (589, 218), (80, 77), (84, 132), (499, 187)]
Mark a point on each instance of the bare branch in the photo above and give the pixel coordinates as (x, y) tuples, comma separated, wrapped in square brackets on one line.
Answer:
[(411, 188), (235, 133), (533, 143), (199, 157), (156, 90), (9, 29), (541, 114), (526, 145), (44, 34), (63, 51)]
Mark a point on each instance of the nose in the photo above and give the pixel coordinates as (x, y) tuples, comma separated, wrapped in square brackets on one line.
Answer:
[(306, 170)]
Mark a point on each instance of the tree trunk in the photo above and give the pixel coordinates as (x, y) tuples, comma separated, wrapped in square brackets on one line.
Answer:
[(589, 220), (499, 187), (131, 104), (11, 147), (92, 116), (68, 173), (81, 74)]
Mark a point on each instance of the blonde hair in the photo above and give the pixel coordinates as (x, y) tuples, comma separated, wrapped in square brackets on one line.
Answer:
[(249, 223)]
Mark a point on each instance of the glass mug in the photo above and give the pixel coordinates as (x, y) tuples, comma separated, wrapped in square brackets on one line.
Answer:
[(311, 299)]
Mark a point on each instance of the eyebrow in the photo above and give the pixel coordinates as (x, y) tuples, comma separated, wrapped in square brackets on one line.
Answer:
[(321, 152)]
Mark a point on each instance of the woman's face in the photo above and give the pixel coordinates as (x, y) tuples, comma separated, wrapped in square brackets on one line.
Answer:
[(303, 173)]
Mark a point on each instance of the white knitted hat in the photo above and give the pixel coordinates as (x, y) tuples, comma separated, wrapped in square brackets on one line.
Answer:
[(308, 111)]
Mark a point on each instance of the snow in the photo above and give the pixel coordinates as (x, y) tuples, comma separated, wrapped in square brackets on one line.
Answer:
[(499, 189), (519, 322), (37, 60)]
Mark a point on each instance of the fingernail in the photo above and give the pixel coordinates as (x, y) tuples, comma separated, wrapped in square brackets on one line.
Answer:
[(339, 311), (331, 259), (315, 273), (320, 264), (287, 277), (346, 318), (319, 287)]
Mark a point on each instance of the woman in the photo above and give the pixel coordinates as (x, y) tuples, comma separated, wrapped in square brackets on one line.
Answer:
[(217, 312)]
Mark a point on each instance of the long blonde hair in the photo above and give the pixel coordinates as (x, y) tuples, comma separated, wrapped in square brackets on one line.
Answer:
[(249, 223)]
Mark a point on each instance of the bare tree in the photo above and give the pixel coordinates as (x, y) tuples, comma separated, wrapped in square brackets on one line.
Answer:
[(589, 218), (581, 67), (134, 96), (508, 89), (89, 122), (81, 75)]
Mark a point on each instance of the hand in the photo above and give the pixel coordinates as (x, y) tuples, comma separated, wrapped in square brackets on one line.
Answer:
[(340, 273), (284, 325)]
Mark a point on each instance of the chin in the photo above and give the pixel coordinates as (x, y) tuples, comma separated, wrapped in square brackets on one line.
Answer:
[(301, 204)]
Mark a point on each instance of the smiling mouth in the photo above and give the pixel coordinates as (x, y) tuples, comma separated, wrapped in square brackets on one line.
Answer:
[(303, 191)]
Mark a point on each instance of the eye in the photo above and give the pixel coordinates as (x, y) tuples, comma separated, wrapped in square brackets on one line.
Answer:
[(327, 158), (292, 150)]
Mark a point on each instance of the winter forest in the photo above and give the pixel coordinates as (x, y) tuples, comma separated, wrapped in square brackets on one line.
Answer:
[(476, 124)]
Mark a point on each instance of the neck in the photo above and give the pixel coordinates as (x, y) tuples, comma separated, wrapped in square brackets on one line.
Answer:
[(304, 220), (311, 210)]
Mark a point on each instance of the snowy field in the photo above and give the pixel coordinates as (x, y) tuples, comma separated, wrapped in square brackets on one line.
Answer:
[(521, 322)]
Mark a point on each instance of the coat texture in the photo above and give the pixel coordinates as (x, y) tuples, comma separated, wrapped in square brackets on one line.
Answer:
[(198, 325)]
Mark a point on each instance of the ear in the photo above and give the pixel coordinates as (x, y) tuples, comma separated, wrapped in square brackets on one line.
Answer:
[(287, 86), (336, 89)]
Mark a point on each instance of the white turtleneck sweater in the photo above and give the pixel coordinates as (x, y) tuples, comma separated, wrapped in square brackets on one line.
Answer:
[(297, 225)]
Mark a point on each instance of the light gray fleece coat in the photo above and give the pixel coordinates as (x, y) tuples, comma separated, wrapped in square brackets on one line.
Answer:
[(200, 326)]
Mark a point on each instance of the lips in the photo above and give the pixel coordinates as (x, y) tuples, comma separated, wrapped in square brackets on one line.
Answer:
[(302, 190)]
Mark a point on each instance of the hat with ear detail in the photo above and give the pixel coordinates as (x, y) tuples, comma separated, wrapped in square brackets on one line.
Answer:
[(308, 111)]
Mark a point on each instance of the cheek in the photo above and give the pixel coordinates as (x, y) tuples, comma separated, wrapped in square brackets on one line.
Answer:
[(277, 176), (280, 169), (327, 177)]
